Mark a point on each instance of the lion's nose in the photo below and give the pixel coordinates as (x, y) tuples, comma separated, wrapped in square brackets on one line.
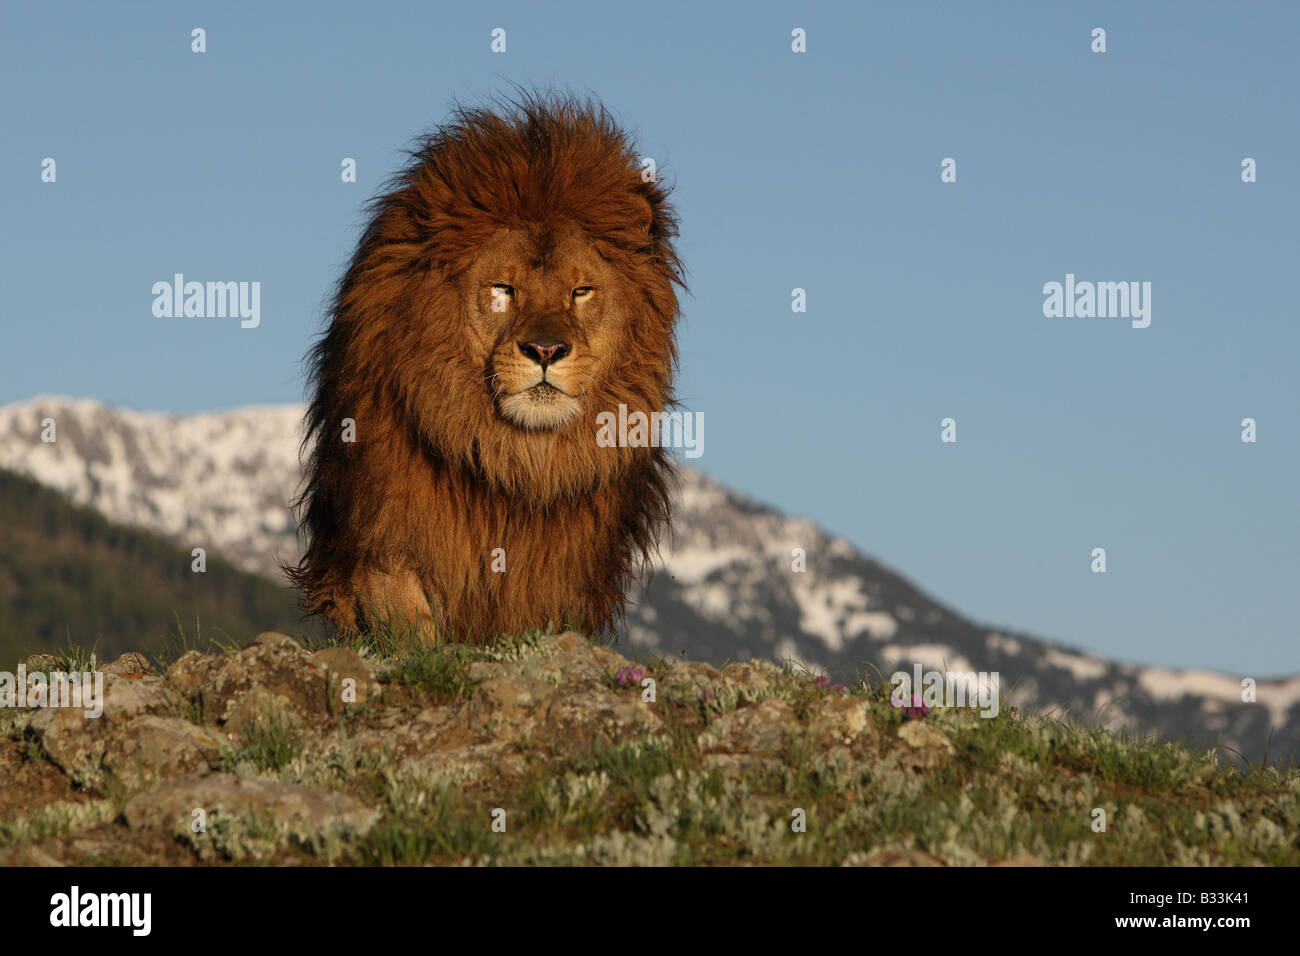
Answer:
[(545, 352)]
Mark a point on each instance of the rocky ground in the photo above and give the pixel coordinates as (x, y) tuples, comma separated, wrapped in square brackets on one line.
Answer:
[(550, 749)]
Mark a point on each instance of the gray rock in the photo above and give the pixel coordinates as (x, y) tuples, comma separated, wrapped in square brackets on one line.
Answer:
[(839, 721), (761, 729), (77, 743), (25, 854), (302, 811), (927, 745), (274, 672), (151, 748), (129, 663), (343, 663)]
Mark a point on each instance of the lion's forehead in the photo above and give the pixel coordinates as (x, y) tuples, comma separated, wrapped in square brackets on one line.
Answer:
[(561, 253)]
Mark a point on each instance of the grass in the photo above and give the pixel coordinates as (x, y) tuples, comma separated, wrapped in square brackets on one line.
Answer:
[(268, 743), (441, 673), (444, 827), (56, 819), (177, 643)]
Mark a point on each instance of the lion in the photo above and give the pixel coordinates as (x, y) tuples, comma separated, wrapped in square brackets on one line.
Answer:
[(517, 279)]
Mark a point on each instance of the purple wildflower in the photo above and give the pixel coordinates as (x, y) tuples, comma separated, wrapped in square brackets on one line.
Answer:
[(917, 708), (628, 676), (823, 681)]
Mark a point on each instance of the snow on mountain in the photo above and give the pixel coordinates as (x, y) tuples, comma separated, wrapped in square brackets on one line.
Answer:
[(726, 586), (220, 480)]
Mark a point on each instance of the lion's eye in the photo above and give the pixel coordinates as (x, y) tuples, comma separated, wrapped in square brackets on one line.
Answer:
[(502, 296), (581, 292)]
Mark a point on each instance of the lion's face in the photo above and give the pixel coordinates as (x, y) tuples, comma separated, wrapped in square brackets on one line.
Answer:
[(546, 319)]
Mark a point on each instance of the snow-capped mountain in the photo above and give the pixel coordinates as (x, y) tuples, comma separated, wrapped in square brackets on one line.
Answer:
[(727, 586)]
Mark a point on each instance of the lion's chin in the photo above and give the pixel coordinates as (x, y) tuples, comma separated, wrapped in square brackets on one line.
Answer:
[(540, 408)]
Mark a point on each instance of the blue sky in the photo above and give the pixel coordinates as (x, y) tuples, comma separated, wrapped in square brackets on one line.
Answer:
[(818, 171)]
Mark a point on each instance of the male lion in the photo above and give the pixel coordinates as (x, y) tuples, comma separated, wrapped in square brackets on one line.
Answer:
[(516, 280)]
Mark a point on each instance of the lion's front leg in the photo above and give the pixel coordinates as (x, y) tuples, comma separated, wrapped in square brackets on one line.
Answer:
[(396, 599)]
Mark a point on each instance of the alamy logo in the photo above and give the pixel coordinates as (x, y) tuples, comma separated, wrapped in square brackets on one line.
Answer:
[(103, 909), (212, 300), (55, 689), (683, 430), (1102, 300), (947, 689)]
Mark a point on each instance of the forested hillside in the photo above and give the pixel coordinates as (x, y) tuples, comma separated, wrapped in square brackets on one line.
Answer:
[(67, 574)]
